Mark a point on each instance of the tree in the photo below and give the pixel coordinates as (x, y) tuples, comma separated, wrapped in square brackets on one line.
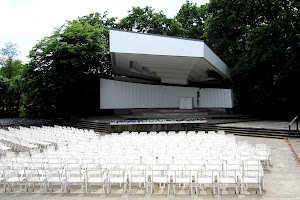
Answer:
[(9, 66), (146, 20), (64, 69), (192, 19), (10, 81), (259, 40)]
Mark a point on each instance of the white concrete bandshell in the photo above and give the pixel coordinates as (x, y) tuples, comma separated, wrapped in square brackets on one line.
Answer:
[(168, 59)]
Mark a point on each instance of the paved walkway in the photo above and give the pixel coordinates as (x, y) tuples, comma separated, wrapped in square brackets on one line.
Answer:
[(276, 125)]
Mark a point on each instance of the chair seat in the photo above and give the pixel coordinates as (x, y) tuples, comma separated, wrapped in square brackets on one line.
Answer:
[(137, 179), (15, 179), (160, 180), (204, 180), (227, 180), (36, 179), (95, 180), (182, 180), (116, 180), (75, 180), (249, 180), (56, 180)]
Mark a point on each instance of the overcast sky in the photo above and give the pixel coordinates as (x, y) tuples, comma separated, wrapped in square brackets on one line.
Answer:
[(26, 21)]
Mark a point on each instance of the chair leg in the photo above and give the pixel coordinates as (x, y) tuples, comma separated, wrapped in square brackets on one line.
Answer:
[(260, 193), (125, 187), (45, 187), (26, 189), (242, 189), (174, 188), (82, 188), (108, 189)]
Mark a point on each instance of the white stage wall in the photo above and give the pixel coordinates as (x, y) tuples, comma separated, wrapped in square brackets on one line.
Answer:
[(125, 95)]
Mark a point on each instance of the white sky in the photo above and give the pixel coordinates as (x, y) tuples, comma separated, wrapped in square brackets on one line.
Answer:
[(27, 21)]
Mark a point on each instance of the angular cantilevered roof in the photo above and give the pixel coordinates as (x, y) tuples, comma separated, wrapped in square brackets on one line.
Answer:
[(170, 60)]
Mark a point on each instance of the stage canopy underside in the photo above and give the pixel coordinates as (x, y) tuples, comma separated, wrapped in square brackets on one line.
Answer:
[(164, 59)]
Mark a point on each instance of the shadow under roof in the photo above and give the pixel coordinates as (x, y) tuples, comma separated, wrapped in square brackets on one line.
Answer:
[(170, 60)]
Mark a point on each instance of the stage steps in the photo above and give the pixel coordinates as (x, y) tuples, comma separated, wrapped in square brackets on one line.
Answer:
[(253, 132), (181, 114), (91, 125), (104, 127)]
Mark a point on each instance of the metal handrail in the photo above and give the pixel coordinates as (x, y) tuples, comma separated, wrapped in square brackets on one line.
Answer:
[(295, 119)]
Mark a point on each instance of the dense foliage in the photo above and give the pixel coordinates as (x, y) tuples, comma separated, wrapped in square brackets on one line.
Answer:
[(258, 40), (64, 70), (10, 80)]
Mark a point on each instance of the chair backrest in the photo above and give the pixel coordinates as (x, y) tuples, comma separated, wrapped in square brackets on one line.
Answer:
[(116, 174), (182, 176), (252, 173), (75, 173), (34, 173)]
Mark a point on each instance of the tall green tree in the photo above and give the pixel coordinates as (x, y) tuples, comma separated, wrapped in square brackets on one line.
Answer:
[(9, 66), (147, 20), (64, 69), (192, 19), (259, 40), (10, 80)]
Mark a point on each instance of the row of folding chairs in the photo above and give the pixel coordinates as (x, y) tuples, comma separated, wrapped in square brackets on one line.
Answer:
[(198, 179), (22, 138)]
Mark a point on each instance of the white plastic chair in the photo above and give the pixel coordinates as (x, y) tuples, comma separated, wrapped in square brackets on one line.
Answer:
[(56, 177), (35, 176), (182, 177), (160, 177), (206, 177), (14, 176), (137, 176), (251, 176), (116, 177), (228, 177), (95, 176), (75, 176)]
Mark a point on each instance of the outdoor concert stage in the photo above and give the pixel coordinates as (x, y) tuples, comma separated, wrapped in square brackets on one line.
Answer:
[(155, 71)]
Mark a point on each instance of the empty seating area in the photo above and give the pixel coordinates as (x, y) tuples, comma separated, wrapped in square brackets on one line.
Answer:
[(65, 157)]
